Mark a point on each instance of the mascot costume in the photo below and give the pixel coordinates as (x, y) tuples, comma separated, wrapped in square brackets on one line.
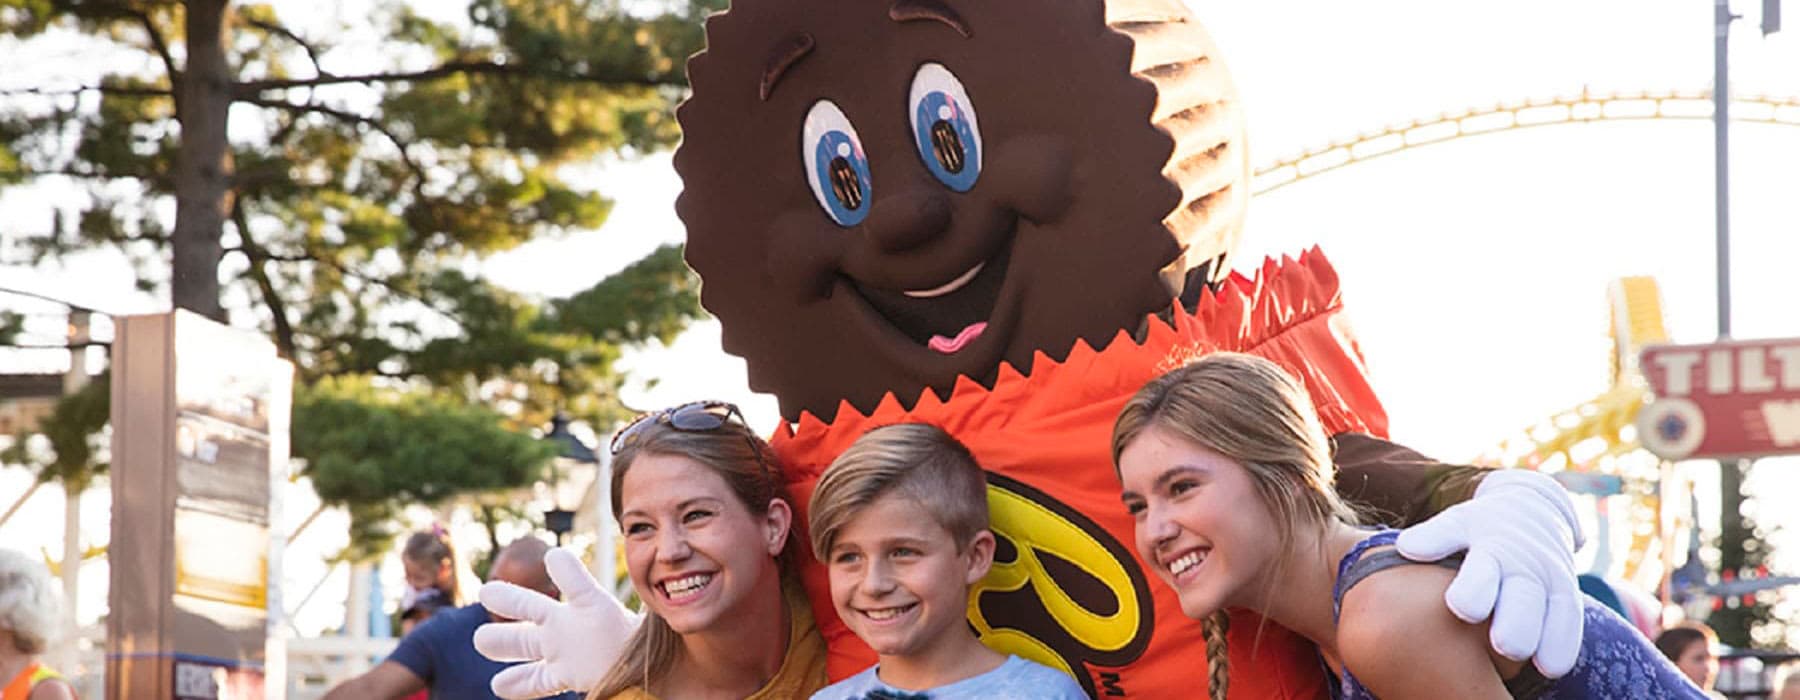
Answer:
[(1003, 218)]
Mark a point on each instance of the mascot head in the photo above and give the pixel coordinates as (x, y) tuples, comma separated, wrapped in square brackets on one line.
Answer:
[(884, 195)]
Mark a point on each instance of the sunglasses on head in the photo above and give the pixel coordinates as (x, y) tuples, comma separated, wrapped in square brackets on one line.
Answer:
[(693, 417)]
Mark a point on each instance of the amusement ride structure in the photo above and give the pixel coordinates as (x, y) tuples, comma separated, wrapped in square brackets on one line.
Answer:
[(1592, 447)]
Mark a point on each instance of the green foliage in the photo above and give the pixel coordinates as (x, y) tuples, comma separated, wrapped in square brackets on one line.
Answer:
[(360, 189), (1746, 622), (12, 323), (356, 203), (70, 436), (653, 299), (373, 450)]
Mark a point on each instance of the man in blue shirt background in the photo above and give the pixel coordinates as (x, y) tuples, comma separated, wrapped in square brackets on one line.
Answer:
[(440, 654)]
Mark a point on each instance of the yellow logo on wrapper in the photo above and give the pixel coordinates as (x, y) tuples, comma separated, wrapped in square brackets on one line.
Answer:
[(1062, 591)]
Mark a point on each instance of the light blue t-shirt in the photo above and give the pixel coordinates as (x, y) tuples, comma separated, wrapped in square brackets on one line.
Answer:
[(1016, 679)]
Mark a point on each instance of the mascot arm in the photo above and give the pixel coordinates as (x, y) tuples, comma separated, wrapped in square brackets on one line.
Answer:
[(566, 645), (1400, 486), (1518, 528)]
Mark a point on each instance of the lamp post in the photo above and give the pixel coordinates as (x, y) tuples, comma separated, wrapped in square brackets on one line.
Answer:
[(558, 520)]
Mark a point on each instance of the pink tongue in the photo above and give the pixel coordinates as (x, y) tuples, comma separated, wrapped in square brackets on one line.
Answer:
[(949, 345)]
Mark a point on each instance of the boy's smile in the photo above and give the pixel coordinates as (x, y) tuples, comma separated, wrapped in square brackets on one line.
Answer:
[(900, 581)]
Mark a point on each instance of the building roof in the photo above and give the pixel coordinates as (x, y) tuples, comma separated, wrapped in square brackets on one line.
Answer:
[(30, 386)]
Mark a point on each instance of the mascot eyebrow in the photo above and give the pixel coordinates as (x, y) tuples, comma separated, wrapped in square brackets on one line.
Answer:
[(789, 51), (781, 58), (932, 10)]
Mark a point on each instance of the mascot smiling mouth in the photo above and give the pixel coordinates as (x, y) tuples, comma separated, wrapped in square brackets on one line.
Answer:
[(950, 318)]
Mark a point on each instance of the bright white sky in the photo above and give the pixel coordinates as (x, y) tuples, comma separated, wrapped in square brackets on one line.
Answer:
[(1476, 271)]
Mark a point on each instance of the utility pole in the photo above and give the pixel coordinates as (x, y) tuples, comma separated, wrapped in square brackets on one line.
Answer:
[(1733, 531), (1731, 472), (73, 381)]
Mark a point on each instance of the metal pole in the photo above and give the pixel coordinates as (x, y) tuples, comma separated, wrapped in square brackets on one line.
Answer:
[(73, 381), (1732, 529), (1721, 95), (605, 543)]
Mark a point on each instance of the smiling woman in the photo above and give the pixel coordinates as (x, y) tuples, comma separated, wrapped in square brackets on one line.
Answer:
[(710, 551), (1227, 473)]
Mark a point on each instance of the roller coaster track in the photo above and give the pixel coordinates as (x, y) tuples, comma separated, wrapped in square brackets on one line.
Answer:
[(1598, 436), (1583, 436), (1581, 108)]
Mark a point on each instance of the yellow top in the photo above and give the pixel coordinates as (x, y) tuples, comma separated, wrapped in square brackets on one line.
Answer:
[(803, 667), (20, 686)]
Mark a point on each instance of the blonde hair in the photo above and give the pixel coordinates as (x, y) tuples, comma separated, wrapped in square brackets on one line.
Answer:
[(28, 604), (918, 461), (752, 474), (1252, 412)]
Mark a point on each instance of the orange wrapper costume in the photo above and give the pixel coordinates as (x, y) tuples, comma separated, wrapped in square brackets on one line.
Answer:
[(1054, 499)]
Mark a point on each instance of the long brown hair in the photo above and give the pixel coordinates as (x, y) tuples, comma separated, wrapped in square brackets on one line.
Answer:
[(752, 473), (1252, 412)]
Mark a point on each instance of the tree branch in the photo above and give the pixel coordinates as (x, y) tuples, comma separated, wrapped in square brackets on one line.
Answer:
[(418, 171), (309, 256), (58, 346), (255, 253), (85, 175), (105, 89), (278, 30), (284, 330), (115, 10), (251, 88), (161, 46)]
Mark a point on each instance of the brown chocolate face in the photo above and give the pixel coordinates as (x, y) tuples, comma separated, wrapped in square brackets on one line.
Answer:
[(882, 196)]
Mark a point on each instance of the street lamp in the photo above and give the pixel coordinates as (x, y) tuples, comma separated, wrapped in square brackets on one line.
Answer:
[(558, 520)]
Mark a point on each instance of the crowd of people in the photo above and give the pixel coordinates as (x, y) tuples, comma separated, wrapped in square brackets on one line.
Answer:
[(1221, 463)]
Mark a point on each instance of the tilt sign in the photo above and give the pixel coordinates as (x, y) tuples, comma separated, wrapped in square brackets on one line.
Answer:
[(1731, 399)]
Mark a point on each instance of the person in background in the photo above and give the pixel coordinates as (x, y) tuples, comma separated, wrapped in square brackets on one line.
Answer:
[(430, 564), (1786, 683), (423, 607), (426, 604), (28, 615), (440, 654), (1694, 648)]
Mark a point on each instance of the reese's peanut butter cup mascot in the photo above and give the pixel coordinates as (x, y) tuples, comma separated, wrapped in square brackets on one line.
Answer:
[(1003, 218)]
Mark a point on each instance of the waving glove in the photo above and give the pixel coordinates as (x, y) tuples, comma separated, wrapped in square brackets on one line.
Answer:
[(570, 645), (1521, 533)]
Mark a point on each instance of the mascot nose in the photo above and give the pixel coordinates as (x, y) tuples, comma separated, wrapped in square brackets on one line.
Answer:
[(908, 220)]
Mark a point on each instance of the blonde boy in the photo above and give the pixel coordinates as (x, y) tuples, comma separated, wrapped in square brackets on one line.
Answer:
[(901, 521)]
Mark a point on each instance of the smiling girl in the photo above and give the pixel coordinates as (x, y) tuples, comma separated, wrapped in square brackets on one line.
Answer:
[(1229, 477)]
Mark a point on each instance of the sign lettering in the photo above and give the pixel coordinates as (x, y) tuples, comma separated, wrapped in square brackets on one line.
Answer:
[(1730, 399)]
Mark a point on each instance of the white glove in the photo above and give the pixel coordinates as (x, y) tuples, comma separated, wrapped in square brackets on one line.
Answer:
[(1521, 533), (570, 645)]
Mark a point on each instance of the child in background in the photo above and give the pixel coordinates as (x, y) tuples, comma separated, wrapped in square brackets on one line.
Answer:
[(901, 521), (430, 564)]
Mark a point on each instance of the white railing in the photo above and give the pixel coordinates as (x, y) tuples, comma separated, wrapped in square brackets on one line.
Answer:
[(316, 664)]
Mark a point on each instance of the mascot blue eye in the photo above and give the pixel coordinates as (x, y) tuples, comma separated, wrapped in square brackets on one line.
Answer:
[(944, 127), (836, 167)]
